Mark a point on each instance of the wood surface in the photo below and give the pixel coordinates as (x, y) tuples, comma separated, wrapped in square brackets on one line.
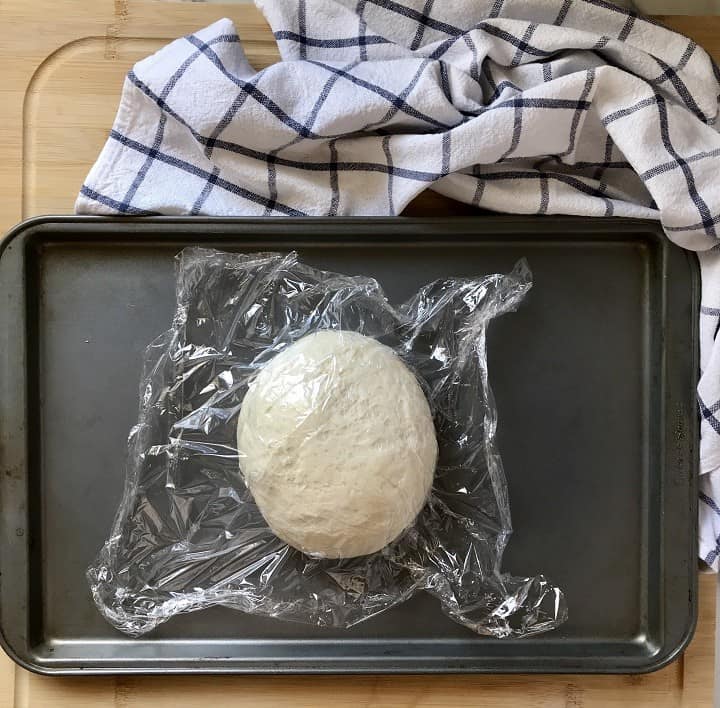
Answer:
[(62, 64)]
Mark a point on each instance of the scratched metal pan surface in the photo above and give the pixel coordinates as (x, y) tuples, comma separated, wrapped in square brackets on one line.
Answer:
[(594, 379)]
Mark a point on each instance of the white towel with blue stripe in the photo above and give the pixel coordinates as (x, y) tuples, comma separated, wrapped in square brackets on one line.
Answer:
[(522, 106)]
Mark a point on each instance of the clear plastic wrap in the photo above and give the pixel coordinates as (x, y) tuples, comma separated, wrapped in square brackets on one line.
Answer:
[(188, 534)]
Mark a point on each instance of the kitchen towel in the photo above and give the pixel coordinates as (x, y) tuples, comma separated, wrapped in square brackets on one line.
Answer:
[(521, 106)]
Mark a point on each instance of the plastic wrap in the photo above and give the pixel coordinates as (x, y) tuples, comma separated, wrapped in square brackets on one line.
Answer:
[(188, 534)]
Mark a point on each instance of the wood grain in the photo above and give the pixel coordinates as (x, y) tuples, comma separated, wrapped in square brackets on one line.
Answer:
[(63, 63)]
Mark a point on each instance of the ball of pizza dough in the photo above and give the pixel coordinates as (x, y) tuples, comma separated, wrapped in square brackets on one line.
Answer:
[(337, 444)]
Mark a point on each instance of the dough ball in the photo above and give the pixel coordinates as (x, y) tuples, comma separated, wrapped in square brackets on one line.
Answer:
[(337, 444)]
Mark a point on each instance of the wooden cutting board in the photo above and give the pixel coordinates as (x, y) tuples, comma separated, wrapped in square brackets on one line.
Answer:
[(62, 63)]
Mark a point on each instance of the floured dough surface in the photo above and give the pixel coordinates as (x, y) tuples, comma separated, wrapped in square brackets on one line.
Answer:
[(337, 444)]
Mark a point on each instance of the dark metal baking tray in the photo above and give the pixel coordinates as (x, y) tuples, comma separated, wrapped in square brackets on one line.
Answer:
[(594, 378)]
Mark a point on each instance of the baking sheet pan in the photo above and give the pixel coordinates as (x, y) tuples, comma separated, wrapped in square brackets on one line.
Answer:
[(594, 379)]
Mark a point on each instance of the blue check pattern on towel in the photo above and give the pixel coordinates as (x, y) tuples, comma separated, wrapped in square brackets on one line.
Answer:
[(523, 106)]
